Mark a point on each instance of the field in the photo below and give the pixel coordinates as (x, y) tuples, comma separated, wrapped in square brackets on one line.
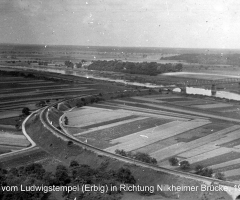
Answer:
[(25, 90), (164, 126)]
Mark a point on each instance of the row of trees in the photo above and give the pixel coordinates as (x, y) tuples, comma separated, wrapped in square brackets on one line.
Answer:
[(70, 64), (199, 169), (145, 68), (143, 157)]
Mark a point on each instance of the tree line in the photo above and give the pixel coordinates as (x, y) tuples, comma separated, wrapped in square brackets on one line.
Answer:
[(143, 157), (145, 68)]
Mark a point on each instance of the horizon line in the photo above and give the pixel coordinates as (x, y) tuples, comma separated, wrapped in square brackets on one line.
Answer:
[(202, 48)]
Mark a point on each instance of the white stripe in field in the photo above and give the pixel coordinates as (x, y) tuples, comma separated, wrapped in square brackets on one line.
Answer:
[(185, 111), (216, 105), (158, 111), (97, 117), (97, 108), (163, 97), (226, 164), (237, 147), (152, 100), (36, 87), (14, 141), (46, 91), (229, 137), (208, 155), (233, 172), (155, 136), (199, 150), (212, 145), (85, 111), (146, 132), (81, 112), (144, 112), (174, 114), (191, 103), (178, 149), (110, 125), (8, 147)]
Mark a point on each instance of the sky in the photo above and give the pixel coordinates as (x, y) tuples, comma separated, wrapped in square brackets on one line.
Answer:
[(136, 23)]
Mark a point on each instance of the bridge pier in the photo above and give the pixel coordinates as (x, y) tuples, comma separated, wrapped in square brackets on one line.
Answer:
[(213, 89), (183, 89)]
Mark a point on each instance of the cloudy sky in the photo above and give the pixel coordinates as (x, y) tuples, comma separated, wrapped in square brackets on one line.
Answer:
[(141, 23)]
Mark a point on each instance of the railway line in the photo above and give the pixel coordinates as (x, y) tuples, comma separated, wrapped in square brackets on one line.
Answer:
[(207, 180)]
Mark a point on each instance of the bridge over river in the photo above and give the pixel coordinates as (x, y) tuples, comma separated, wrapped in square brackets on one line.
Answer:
[(203, 82)]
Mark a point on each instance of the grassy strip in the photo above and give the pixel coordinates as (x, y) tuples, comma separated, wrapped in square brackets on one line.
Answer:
[(125, 129), (104, 106), (218, 159), (233, 178), (177, 99), (227, 168), (23, 159), (110, 122), (9, 121), (231, 144)]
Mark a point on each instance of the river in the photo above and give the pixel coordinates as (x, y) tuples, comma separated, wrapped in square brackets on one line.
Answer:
[(189, 90)]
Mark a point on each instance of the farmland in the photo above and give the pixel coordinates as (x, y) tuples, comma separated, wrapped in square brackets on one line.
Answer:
[(164, 126), (33, 90)]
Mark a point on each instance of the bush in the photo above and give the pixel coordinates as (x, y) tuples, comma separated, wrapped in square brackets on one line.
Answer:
[(124, 175), (220, 176), (40, 104), (173, 161), (74, 163), (26, 111), (70, 143), (203, 171), (65, 120), (143, 157), (79, 104), (185, 165)]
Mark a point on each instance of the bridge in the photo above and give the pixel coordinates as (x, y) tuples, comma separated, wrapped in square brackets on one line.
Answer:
[(201, 82)]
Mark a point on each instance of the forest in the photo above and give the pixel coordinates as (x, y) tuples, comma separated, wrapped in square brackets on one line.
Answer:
[(75, 174), (144, 68)]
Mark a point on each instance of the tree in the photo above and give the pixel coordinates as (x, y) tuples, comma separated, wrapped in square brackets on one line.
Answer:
[(65, 120), (40, 103), (18, 126), (79, 65), (61, 175), (74, 163), (79, 104), (121, 152), (220, 176), (173, 161), (26, 111), (199, 169), (203, 171), (185, 165), (124, 175), (69, 64)]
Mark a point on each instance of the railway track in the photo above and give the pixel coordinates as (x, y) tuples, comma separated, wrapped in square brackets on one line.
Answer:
[(47, 124)]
